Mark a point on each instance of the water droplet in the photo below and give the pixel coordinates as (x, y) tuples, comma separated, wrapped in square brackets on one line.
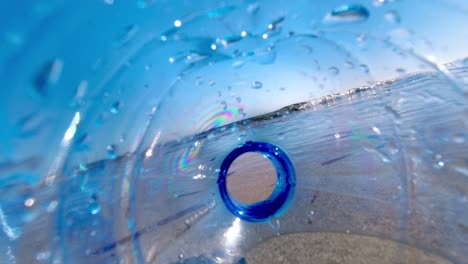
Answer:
[(226, 41), (361, 39), (52, 206), (376, 130), (111, 151), (177, 23), (29, 202), (273, 28), (43, 255), (256, 85), (94, 208), (242, 136), (274, 25), (378, 3), (193, 57), (337, 135), (83, 167), (80, 93), (364, 68), (400, 71), (275, 225), (109, 2), (349, 64), (393, 112), (438, 162), (115, 108), (348, 13), (199, 81), (458, 138), (30, 125), (264, 55), (129, 34), (48, 75), (238, 64), (253, 8), (379, 151), (393, 17), (238, 99), (181, 255), (334, 70), (211, 83), (383, 156)]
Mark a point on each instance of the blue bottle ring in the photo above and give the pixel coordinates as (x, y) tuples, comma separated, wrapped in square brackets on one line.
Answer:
[(281, 196)]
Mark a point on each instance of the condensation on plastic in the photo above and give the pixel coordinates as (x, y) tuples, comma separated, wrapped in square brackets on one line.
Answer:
[(117, 115)]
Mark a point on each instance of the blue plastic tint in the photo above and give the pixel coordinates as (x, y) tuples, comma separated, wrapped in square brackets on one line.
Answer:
[(278, 201)]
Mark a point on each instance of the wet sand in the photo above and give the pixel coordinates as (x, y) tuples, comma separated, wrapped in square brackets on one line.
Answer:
[(323, 247), (251, 178)]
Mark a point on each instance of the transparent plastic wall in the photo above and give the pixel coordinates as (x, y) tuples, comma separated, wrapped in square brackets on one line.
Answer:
[(116, 117)]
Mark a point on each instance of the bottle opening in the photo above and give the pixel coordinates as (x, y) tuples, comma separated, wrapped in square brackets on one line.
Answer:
[(256, 181)]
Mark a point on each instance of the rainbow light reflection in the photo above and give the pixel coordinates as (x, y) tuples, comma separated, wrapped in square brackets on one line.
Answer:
[(212, 119), (217, 118), (185, 159)]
